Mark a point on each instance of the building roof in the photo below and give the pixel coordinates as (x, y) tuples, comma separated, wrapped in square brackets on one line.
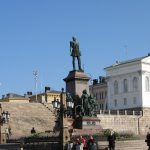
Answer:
[(118, 63), (13, 95), (51, 91)]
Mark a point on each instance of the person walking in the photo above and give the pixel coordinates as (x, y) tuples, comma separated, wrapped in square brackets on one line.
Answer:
[(78, 145), (91, 145), (83, 141), (111, 139), (70, 145)]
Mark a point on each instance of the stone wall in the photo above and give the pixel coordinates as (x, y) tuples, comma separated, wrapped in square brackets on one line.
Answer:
[(144, 121), (132, 123), (120, 123)]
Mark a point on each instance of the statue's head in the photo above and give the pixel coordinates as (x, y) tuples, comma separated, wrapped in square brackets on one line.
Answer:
[(73, 38), (85, 91)]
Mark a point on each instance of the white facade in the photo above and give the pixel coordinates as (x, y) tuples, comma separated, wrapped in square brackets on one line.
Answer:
[(128, 84)]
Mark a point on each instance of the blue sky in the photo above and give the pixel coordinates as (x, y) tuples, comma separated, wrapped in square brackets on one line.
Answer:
[(35, 35)]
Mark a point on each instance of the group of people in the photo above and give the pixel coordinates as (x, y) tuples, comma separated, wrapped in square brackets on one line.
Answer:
[(82, 143)]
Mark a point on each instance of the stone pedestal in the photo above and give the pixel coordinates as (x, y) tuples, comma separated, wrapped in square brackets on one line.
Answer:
[(85, 126), (76, 82)]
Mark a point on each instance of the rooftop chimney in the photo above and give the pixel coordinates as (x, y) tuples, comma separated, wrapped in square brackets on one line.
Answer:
[(47, 89), (29, 93), (3, 96), (95, 81)]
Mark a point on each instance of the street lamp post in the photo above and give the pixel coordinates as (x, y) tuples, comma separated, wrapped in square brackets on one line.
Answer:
[(35, 73), (63, 107), (4, 119)]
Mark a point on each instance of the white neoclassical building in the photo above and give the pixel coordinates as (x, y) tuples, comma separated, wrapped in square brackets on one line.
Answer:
[(128, 84)]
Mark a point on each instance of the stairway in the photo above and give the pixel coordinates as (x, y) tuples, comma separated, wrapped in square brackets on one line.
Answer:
[(125, 145), (131, 145), (24, 116)]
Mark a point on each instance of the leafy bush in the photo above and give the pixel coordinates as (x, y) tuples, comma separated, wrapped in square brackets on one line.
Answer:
[(102, 136), (106, 132), (126, 135)]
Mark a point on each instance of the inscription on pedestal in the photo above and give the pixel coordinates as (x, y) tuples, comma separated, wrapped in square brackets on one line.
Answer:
[(91, 123)]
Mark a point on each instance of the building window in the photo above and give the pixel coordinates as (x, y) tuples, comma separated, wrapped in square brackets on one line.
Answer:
[(135, 84), (105, 94), (102, 95), (147, 83), (99, 106), (115, 87), (134, 100), (99, 95), (125, 101), (102, 106), (125, 85), (96, 96), (115, 103)]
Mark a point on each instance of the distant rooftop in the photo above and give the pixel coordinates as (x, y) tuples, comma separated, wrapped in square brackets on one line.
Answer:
[(49, 91), (12, 95)]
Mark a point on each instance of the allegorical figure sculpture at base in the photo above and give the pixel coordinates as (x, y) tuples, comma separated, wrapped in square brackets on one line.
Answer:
[(86, 105), (75, 53), (89, 104)]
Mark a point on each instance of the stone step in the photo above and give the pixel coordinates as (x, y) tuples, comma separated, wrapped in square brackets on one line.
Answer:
[(129, 148), (126, 145), (131, 145), (24, 116)]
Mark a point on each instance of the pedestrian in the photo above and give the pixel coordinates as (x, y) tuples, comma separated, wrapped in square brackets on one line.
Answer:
[(33, 130), (78, 145), (148, 140), (91, 144), (70, 145), (111, 139), (83, 141), (7, 133), (10, 131)]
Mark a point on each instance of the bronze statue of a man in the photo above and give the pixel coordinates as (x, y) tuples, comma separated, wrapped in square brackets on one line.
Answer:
[(75, 53)]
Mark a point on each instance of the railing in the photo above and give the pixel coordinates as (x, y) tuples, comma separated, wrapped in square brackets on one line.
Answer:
[(119, 112)]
